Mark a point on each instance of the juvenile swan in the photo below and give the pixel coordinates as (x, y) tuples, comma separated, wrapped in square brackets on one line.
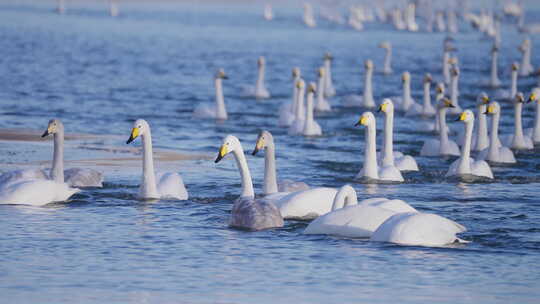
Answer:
[(170, 184)]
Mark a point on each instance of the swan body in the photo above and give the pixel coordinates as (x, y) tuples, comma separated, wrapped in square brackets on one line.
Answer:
[(297, 126), (170, 185), (259, 91), (496, 153), (387, 66), (518, 140), (465, 165), (366, 100), (371, 170), (307, 204), (35, 192), (217, 110), (247, 212), (426, 110), (329, 90), (442, 146), (418, 229), (406, 102), (348, 218), (287, 110), (15, 176), (322, 104), (311, 127), (389, 159)]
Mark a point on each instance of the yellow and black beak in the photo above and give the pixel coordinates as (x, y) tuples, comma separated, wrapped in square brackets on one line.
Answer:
[(362, 121), (461, 117), (258, 146), (46, 133), (382, 108), (489, 110), (134, 134), (222, 152), (485, 100), (531, 98)]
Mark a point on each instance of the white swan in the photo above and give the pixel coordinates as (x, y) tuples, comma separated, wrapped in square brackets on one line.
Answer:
[(113, 8), (511, 94), (306, 204), (309, 18), (534, 132), (526, 67), (297, 126), (426, 110), (387, 66), (433, 126), (418, 229), (348, 218), (442, 146), (496, 153), (371, 170), (447, 53), (259, 91), (265, 141), (287, 110), (389, 157), (322, 104), (217, 110), (329, 90), (366, 100), (465, 165), (480, 139), (170, 184), (454, 83), (494, 82), (35, 192), (311, 127), (268, 14), (247, 212), (518, 140), (410, 15), (405, 102)]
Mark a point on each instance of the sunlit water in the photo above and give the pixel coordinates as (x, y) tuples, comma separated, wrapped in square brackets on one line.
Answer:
[(98, 74)]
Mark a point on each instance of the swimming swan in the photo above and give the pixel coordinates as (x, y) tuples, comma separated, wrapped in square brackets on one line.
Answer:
[(217, 110), (465, 165), (259, 91), (418, 229), (311, 127), (349, 218), (322, 104), (495, 82), (371, 170), (35, 192), (389, 156), (526, 67), (309, 18), (366, 100), (496, 153), (248, 212), (518, 140), (287, 110), (426, 110), (170, 184), (329, 90), (297, 126), (265, 141), (405, 102), (454, 92), (442, 146), (534, 132), (387, 66)]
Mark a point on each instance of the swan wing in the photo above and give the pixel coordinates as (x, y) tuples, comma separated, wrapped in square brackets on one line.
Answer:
[(307, 204), (79, 177), (394, 205), (37, 192), (418, 229), (254, 214), (172, 186)]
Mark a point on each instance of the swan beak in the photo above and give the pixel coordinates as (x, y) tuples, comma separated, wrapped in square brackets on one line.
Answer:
[(362, 121), (532, 98), (258, 146), (382, 108), (461, 117), (490, 109), (222, 152), (45, 134), (134, 134), (224, 77)]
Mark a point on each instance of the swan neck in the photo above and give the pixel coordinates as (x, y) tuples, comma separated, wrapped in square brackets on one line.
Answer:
[(260, 78), (270, 179), (346, 196), (513, 87), (454, 92), (518, 131), (494, 136), (320, 90), (466, 151), (368, 91), (388, 59), (57, 170), (443, 134), (494, 71), (247, 184), (388, 157), (406, 93), (536, 129), (149, 187), (221, 111), (309, 111), (481, 132), (300, 104), (370, 157), (427, 96)]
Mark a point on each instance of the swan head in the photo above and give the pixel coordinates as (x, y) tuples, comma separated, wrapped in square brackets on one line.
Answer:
[(493, 108), (385, 45), (328, 56), (428, 78), (366, 119), (140, 128), (312, 88), (296, 72), (483, 99), (440, 88), (446, 103), (368, 64), (221, 74), (533, 96), (54, 126), (515, 67), (387, 106), (519, 98), (230, 144), (406, 77), (466, 116), (300, 84), (264, 140), (261, 61), (321, 72)]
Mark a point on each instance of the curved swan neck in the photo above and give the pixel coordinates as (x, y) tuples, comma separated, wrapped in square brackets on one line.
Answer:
[(57, 170), (493, 149), (221, 111), (247, 184), (427, 96), (270, 179), (149, 187), (513, 87), (370, 156), (388, 149), (346, 196)]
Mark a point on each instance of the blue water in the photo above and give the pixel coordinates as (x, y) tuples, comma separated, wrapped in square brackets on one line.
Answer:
[(98, 74)]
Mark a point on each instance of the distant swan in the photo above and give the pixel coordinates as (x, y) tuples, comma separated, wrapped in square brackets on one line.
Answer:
[(329, 90), (534, 132), (311, 127), (259, 91), (442, 146), (366, 100), (526, 67), (268, 14), (287, 110), (387, 66), (297, 126), (518, 140), (495, 82), (217, 110), (309, 18), (496, 153), (405, 102), (248, 212), (170, 184), (322, 104), (426, 110), (454, 92)]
